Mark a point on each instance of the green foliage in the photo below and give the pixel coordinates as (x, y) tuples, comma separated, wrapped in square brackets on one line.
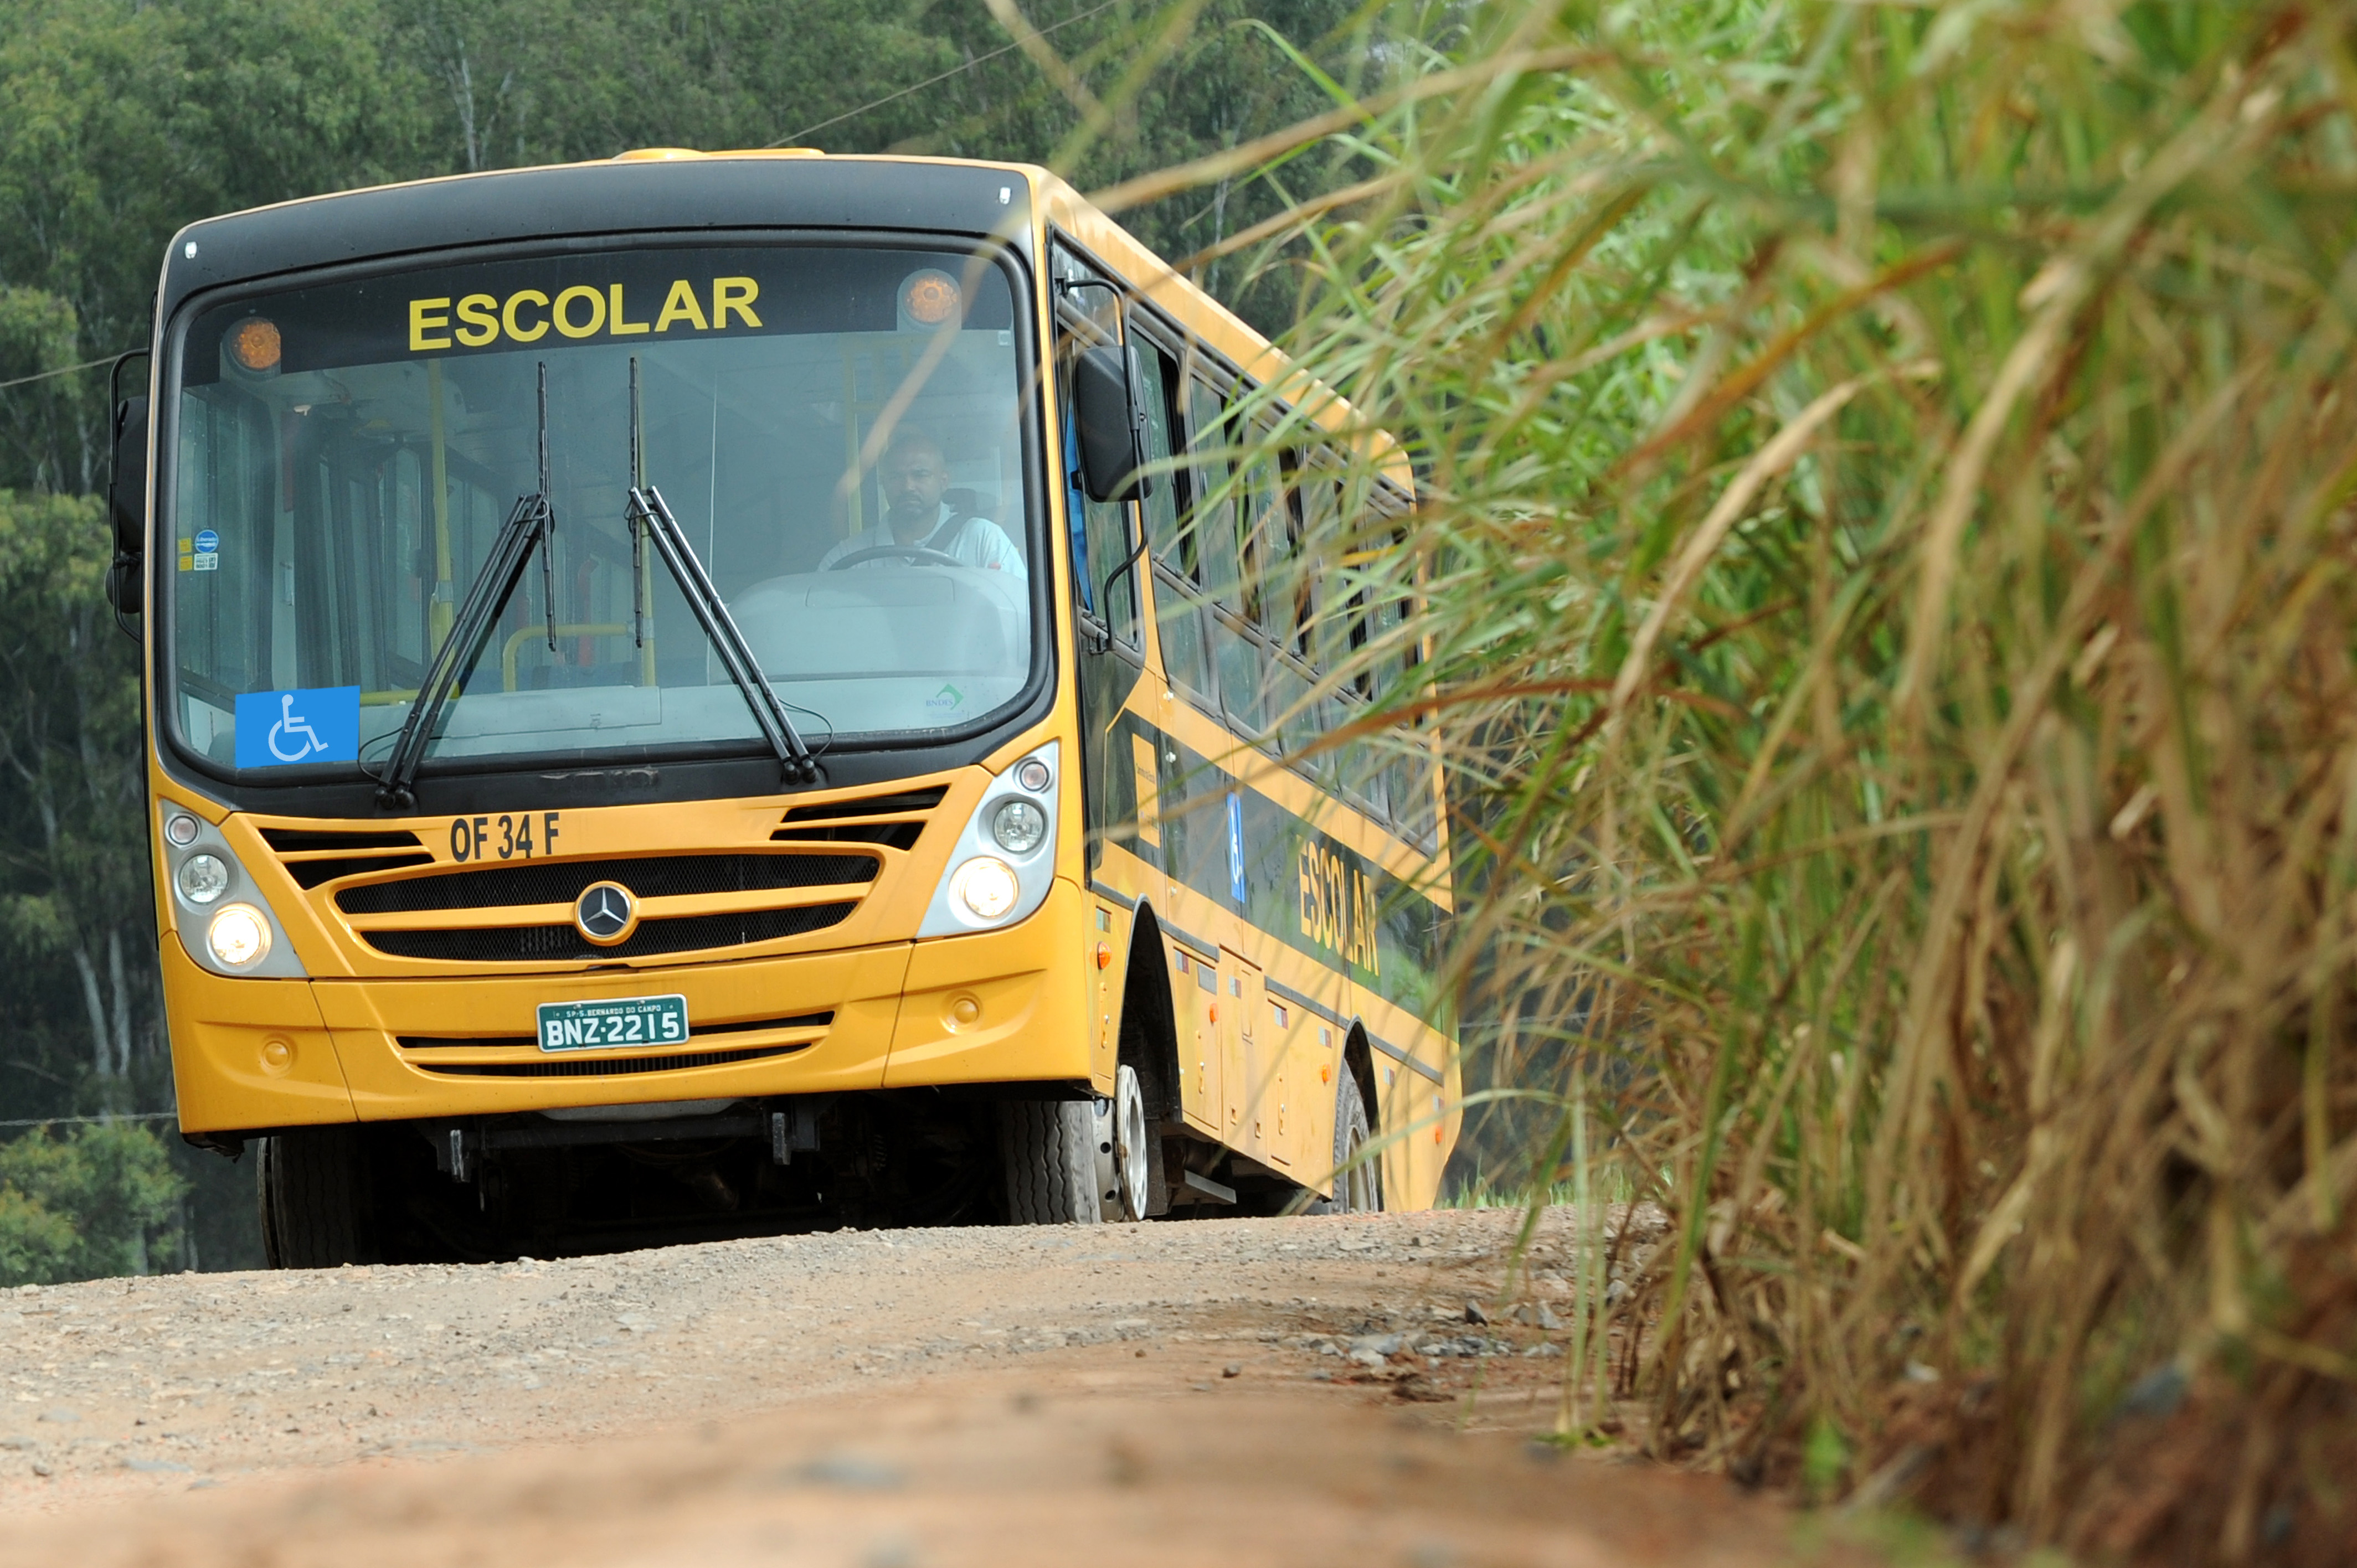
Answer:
[(75, 908), (39, 336), (90, 1204), (120, 121), (38, 330), (1825, 1460), (1887, 509), (35, 1243)]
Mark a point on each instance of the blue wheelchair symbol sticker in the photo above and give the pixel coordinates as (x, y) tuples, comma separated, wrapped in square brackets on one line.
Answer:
[(278, 729)]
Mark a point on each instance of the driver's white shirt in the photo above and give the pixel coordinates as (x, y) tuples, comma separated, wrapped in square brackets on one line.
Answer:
[(974, 542)]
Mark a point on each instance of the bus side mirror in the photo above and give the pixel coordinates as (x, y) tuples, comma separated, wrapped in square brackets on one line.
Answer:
[(1108, 397), (127, 506)]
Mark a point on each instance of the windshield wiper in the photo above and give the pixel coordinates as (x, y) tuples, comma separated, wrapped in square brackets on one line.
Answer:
[(650, 519), (531, 524)]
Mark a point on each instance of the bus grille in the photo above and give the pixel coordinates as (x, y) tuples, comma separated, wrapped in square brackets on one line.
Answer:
[(684, 933), (313, 857), (466, 914), (606, 1067), (897, 819), (562, 881)]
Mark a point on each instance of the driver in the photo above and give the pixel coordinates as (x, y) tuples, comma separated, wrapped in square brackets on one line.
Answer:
[(914, 476)]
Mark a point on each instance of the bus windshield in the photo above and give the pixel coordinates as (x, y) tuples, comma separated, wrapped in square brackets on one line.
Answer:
[(839, 431)]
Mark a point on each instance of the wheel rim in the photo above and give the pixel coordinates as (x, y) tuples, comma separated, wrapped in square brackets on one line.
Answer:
[(1357, 1185), (1129, 1142)]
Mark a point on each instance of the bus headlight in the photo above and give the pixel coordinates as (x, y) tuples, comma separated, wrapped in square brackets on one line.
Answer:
[(1018, 826), (239, 936), (1004, 860), (987, 886), (202, 878), (221, 911)]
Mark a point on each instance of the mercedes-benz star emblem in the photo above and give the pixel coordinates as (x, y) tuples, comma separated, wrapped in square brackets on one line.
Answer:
[(605, 913)]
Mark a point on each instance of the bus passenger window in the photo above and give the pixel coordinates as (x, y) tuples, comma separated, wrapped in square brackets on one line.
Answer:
[(1101, 543), (1169, 516), (1298, 719), (1208, 548), (1110, 543), (1237, 655), (1321, 624), (1179, 618), (1164, 498), (1267, 543)]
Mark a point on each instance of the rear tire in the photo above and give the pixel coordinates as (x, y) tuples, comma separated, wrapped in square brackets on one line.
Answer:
[(1050, 1148), (313, 1189), (1358, 1176)]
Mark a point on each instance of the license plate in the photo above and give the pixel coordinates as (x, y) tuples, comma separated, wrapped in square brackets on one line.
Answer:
[(601, 1026)]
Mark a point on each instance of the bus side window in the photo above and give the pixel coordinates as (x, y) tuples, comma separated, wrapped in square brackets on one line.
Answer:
[(1271, 578), (1213, 536), (1319, 612), (1235, 652), (1170, 523), (1267, 542), (1101, 539), (1408, 781), (1164, 498)]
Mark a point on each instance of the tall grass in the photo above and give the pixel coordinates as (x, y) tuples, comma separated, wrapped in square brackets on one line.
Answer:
[(1886, 477)]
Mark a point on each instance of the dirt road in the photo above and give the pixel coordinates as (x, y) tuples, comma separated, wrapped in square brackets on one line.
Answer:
[(1297, 1391)]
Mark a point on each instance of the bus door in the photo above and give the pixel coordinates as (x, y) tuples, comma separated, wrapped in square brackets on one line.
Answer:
[(1106, 591), (1254, 1055)]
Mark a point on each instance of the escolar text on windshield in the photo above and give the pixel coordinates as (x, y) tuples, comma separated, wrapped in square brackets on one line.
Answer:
[(578, 311)]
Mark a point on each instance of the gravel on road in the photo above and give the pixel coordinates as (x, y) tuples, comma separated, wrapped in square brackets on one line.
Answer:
[(857, 1377)]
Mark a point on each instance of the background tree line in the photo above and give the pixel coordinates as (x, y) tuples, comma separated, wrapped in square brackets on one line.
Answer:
[(122, 120)]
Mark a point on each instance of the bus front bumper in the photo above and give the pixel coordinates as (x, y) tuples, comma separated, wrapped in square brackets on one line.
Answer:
[(999, 1007)]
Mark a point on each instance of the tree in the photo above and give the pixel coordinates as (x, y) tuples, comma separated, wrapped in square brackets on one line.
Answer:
[(73, 871), (91, 1202), (122, 120)]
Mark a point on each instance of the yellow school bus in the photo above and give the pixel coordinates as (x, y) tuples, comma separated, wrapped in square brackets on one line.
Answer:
[(704, 694)]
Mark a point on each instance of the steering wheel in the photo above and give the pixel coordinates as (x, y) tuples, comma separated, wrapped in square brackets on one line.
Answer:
[(914, 552)]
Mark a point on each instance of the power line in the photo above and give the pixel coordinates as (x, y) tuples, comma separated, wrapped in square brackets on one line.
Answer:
[(67, 1121), (45, 375), (920, 87)]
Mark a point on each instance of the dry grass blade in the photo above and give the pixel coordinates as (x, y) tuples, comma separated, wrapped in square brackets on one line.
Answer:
[(1934, 421)]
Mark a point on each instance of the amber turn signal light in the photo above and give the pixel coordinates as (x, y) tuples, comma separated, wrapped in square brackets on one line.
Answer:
[(930, 297), (254, 343)]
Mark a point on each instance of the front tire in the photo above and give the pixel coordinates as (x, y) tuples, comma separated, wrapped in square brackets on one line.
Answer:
[(1050, 1149), (1134, 1151), (312, 1184), (1358, 1174)]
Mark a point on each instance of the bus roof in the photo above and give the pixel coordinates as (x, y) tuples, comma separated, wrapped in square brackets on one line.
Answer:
[(1197, 312), (684, 191)]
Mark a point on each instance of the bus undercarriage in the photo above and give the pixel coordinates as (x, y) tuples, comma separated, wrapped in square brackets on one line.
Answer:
[(498, 1187)]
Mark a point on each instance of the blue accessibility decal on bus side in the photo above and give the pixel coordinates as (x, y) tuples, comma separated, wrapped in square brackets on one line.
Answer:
[(1236, 848), (320, 724)]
